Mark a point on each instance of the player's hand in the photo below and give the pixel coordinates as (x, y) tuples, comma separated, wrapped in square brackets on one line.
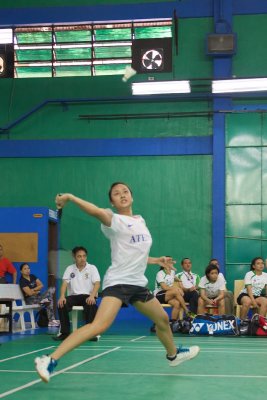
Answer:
[(90, 300), (254, 304), (61, 200), (167, 262), (61, 302), (192, 289)]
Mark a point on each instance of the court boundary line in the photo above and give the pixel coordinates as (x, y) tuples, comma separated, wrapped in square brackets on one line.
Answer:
[(22, 387), (169, 374), (143, 374), (206, 350), (138, 338), (26, 354)]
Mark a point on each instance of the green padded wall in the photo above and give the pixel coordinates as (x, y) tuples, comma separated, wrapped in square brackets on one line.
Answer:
[(246, 200), (172, 193), (250, 59)]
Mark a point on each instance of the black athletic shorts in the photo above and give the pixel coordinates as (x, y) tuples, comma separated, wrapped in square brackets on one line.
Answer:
[(128, 293), (161, 296), (238, 300)]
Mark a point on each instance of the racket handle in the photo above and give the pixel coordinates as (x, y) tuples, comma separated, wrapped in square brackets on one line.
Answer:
[(58, 207)]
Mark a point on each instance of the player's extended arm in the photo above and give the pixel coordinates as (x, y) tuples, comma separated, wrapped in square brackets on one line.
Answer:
[(100, 213)]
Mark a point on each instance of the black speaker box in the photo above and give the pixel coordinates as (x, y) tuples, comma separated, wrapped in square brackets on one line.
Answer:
[(221, 44), (6, 61)]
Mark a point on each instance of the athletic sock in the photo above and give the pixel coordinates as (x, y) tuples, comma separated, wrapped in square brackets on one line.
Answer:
[(171, 358)]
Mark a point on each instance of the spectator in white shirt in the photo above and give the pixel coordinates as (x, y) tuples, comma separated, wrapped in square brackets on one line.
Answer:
[(212, 288), (228, 295), (253, 294), (83, 282)]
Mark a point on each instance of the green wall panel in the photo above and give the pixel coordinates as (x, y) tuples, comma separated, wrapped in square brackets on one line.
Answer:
[(264, 227), (192, 61), (235, 271), (250, 59), (242, 250), (172, 193), (243, 130), (264, 128), (58, 121), (244, 221), (243, 175), (264, 175), (246, 181)]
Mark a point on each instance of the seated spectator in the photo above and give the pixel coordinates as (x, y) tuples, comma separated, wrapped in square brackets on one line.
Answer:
[(212, 288), (167, 293), (253, 294), (228, 296), (6, 267), (31, 287), (189, 284), (83, 282)]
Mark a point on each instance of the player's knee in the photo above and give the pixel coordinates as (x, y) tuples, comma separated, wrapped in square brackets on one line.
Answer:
[(163, 322), (176, 304), (101, 327)]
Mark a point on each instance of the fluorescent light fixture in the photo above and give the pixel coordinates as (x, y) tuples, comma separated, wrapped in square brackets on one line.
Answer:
[(6, 36), (239, 85), (166, 87)]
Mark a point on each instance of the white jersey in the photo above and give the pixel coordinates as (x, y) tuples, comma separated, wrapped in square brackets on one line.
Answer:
[(130, 243), (81, 282), (257, 282), (212, 288), (163, 277), (188, 279)]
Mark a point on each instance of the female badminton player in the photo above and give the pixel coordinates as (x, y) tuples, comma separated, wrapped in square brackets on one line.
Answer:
[(124, 281)]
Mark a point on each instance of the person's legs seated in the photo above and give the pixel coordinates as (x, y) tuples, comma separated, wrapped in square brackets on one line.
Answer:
[(64, 318), (229, 302), (262, 304), (201, 306), (221, 307), (245, 301), (90, 311), (192, 299)]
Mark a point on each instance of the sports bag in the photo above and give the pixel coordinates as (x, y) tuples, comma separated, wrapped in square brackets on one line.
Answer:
[(257, 326), (182, 325), (42, 318), (215, 325)]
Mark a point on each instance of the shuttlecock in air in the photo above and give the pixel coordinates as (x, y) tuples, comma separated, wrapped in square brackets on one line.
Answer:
[(129, 72)]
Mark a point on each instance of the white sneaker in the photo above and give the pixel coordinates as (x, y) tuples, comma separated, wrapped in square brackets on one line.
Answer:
[(45, 301), (54, 323), (184, 354), (44, 366)]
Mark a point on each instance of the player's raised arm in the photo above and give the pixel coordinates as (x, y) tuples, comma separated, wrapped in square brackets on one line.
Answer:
[(164, 261), (100, 213)]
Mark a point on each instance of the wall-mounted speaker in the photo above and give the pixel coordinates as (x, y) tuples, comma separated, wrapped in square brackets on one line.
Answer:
[(6, 61), (221, 44)]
